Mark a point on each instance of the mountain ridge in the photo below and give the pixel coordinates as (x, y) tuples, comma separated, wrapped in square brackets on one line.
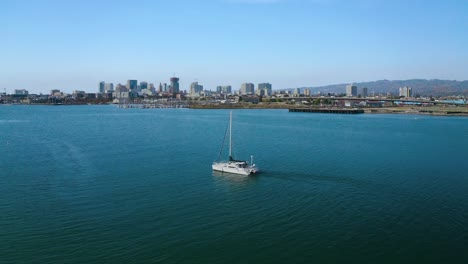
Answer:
[(422, 87)]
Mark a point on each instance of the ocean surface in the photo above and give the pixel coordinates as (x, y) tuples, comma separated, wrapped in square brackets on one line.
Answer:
[(100, 184)]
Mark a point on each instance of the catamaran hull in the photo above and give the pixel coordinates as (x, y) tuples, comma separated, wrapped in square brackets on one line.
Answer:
[(242, 171)]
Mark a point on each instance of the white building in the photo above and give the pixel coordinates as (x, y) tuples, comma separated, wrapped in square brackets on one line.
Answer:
[(351, 90), (406, 91), (297, 92)]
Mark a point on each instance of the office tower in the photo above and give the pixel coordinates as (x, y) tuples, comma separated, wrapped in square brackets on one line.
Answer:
[(108, 87), (121, 88), (174, 85), (297, 91), (307, 92), (351, 90), (247, 88), (266, 86), (195, 88), (102, 87), (143, 85), (160, 88), (132, 85), (21, 92), (364, 92), (226, 89), (406, 91)]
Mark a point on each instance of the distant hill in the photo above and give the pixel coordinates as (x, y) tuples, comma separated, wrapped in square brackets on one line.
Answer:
[(420, 87)]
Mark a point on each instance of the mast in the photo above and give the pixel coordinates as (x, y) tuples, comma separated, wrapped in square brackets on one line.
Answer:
[(230, 135)]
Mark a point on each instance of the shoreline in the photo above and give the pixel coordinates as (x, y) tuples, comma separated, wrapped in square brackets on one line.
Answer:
[(427, 110)]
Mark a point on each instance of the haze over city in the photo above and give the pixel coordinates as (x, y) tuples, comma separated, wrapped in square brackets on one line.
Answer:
[(73, 45)]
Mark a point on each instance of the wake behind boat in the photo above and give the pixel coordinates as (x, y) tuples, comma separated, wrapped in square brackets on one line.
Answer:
[(234, 166)]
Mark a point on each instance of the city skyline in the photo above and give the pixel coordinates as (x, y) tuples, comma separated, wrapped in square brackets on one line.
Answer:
[(288, 43)]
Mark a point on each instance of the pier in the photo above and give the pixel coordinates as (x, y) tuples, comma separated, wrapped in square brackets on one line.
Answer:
[(327, 111)]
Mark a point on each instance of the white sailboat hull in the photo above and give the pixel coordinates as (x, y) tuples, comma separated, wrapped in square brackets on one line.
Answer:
[(232, 167)]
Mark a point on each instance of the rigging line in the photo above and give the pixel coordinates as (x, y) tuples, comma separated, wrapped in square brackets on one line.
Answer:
[(224, 140)]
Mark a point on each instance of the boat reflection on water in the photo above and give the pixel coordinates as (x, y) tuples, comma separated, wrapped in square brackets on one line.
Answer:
[(225, 177)]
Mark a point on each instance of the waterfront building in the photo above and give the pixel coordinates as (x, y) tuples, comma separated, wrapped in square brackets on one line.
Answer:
[(227, 89), (247, 88), (77, 94), (297, 92), (364, 92), (174, 85), (121, 88), (21, 92), (108, 87), (102, 87), (266, 86), (143, 85), (148, 92), (121, 91), (132, 85), (351, 90), (262, 92), (406, 91), (195, 88)]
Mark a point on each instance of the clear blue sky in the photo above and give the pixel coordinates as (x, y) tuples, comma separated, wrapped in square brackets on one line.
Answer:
[(72, 45)]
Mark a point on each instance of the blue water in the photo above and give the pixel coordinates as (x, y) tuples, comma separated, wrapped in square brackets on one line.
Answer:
[(99, 184)]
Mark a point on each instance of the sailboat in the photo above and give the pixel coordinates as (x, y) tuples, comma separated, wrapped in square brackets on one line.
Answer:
[(234, 166)]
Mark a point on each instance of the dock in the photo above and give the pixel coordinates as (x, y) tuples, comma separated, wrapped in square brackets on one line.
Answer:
[(327, 111)]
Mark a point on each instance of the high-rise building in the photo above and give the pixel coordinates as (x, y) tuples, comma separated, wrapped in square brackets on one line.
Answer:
[(227, 89), (351, 90), (364, 92), (143, 85), (21, 92), (175, 85), (102, 87), (307, 92), (266, 86), (406, 91), (108, 87), (247, 88), (121, 88), (195, 88), (160, 88), (297, 91), (132, 85)]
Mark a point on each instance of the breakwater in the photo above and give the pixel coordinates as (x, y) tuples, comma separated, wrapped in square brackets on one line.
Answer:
[(327, 111)]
